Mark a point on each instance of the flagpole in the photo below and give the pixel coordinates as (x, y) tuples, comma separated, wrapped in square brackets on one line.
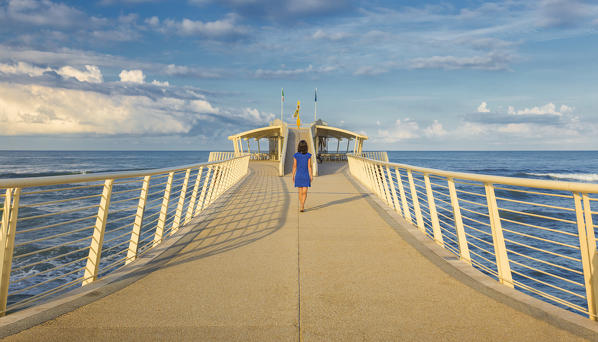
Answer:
[(281, 102), (315, 104)]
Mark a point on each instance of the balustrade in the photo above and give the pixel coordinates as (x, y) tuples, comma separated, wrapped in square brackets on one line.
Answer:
[(536, 236), (66, 231)]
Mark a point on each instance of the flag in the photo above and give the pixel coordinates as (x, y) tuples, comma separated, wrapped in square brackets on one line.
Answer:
[(316, 95), (282, 94), (296, 115)]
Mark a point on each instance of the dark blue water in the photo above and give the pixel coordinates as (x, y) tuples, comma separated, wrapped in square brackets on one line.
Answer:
[(573, 166), (542, 242), (579, 166), (14, 164)]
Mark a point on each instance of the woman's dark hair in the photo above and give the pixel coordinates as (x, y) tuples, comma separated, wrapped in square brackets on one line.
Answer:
[(302, 147)]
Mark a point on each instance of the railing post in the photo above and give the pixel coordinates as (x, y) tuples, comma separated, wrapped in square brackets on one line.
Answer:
[(163, 211), (377, 183), (433, 213), (176, 223), (213, 184), (136, 232), (587, 246), (395, 201), (7, 242), (460, 229), (202, 196), (406, 212), (97, 240), (191, 206), (415, 200), (500, 249), (370, 174), (385, 184)]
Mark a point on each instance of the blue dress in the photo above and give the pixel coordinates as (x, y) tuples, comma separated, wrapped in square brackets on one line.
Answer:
[(302, 173)]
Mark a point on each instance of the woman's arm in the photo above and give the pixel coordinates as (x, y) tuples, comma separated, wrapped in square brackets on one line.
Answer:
[(294, 168), (309, 167)]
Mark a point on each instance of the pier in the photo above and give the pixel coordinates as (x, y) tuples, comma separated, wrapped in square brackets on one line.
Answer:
[(219, 251), (253, 268)]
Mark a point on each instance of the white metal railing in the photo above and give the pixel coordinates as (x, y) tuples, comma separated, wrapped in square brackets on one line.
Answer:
[(533, 235), (218, 156), (66, 231), (376, 155)]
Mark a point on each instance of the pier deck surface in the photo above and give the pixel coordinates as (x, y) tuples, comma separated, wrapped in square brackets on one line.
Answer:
[(256, 269)]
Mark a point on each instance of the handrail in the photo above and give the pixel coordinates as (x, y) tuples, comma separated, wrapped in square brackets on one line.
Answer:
[(56, 238), (516, 181), (540, 242), (28, 182)]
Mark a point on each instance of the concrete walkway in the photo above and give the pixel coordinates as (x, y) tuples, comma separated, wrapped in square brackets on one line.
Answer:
[(258, 270)]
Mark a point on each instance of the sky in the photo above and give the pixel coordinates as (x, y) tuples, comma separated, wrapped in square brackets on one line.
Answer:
[(411, 75)]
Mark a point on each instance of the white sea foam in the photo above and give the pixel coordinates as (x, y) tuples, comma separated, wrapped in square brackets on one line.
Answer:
[(584, 177)]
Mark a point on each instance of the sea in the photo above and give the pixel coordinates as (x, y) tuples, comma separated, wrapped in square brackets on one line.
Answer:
[(577, 166)]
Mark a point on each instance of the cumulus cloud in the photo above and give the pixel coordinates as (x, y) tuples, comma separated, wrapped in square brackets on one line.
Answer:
[(435, 130), (161, 84), (483, 108), (402, 130), (89, 73), (132, 76), (521, 120), (547, 109), (34, 109)]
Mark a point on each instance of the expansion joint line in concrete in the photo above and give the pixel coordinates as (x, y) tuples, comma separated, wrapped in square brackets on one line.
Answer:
[(298, 280)]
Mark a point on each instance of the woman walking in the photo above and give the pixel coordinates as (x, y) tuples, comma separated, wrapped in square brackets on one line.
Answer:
[(302, 172)]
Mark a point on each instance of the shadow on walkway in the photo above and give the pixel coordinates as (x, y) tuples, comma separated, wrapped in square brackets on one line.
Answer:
[(337, 202), (252, 211)]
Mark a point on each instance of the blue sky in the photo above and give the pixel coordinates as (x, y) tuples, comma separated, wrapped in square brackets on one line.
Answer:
[(412, 75)]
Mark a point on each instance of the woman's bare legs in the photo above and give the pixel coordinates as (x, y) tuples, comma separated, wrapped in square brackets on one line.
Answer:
[(302, 197)]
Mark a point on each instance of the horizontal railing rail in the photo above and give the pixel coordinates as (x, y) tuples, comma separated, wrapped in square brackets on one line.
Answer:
[(536, 236), (61, 232), (376, 155)]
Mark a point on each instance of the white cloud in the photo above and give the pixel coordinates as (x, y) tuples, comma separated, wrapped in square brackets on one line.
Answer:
[(161, 84), (132, 76), (40, 110), (255, 115), (226, 28), (90, 73), (203, 106), (483, 108), (22, 68), (402, 130), (435, 130), (547, 109)]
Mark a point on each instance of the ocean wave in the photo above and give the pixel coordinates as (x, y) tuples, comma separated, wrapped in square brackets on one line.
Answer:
[(584, 177), (42, 174)]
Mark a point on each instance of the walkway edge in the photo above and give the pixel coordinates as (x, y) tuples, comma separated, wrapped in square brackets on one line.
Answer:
[(70, 301), (475, 279)]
